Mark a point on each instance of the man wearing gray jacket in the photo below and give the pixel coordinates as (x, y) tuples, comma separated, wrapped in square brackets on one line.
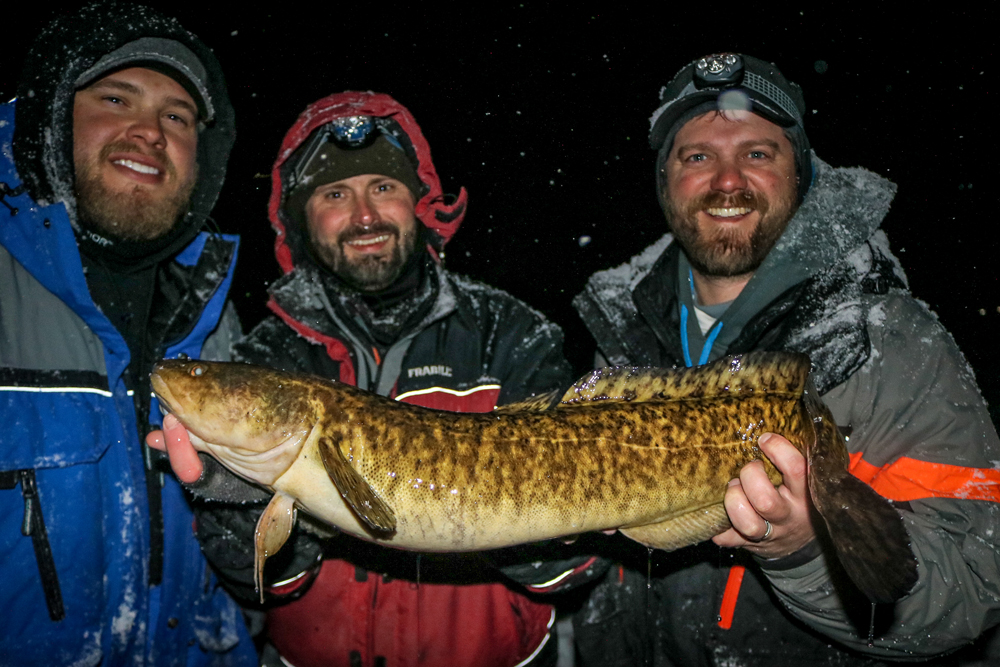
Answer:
[(773, 249)]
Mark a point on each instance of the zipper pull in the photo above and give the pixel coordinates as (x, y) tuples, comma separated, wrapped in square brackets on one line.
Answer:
[(30, 493)]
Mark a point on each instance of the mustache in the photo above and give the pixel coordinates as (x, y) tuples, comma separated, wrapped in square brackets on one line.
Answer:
[(129, 147), (741, 198), (357, 231)]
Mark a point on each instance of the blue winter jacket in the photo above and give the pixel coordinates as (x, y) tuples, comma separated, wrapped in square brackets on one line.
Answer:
[(68, 424)]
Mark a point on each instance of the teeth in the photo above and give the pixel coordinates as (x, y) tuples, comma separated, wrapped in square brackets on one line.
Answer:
[(378, 239), (728, 212), (135, 166)]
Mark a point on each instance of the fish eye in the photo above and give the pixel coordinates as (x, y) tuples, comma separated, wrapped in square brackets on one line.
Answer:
[(197, 371)]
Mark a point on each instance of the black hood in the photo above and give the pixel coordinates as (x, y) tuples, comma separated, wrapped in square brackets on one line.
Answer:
[(43, 129)]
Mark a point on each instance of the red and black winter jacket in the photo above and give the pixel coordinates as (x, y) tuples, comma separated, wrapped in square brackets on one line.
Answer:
[(478, 347), (475, 347)]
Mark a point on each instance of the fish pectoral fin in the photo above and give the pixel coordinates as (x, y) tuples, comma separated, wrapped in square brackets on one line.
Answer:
[(273, 529), (539, 403), (866, 530), (372, 510), (681, 531)]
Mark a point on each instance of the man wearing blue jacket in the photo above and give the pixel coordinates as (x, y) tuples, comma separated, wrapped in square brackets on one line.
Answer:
[(111, 159)]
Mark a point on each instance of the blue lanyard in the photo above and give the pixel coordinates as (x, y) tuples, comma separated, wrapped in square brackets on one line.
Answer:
[(713, 333)]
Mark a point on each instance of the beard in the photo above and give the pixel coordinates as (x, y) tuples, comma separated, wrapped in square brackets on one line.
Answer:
[(136, 214), (723, 252), (367, 273)]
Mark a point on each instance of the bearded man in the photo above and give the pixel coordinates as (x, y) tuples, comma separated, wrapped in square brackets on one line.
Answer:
[(113, 154), (361, 224), (773, 249)]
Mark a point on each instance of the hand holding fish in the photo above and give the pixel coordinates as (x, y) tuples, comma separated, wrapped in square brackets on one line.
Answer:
[(173, 440), (752, 503)]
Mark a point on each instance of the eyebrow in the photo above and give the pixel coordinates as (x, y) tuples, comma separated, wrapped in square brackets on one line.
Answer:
[(127, 87), (770, 143)]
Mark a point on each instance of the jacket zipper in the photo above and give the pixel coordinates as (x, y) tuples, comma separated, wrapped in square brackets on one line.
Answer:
[(34, 526)]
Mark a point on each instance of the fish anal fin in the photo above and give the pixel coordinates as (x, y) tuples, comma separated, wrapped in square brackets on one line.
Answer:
[(539, 403), (771, 372), (369, 508), (866, 530), (681, 531), (273, 529)]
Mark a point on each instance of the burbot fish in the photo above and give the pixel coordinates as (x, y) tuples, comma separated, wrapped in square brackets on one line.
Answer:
[(648, 451)]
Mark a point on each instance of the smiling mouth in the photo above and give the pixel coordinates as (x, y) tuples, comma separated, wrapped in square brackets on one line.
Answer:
[(729, 212), (137, 166), (381, 238)]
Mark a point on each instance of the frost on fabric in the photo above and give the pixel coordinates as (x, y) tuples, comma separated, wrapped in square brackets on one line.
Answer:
[(609, 291), (844, 207), (90, 653), (124, 620), (979, 486), (218, 633), (495, 306), (633, 271)]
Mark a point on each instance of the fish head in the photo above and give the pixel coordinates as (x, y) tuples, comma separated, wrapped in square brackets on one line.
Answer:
[(254, 420)]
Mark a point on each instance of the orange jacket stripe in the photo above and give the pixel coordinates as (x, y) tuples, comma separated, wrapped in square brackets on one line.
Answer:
[(729, 596), (910, 479)]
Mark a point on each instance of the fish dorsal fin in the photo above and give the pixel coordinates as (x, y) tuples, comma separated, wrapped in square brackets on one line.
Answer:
[(538, 403), (773, 372), (370, 509)]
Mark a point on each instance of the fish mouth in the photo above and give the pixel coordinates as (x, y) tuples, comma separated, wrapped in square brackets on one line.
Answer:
[(159, 389), (165, 408)]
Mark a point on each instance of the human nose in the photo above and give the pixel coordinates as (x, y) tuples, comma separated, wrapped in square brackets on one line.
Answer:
[(365, 212), (728, 177), (146, 127)]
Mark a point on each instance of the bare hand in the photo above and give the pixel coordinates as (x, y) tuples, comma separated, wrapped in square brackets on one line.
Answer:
[(173, 440), (752, 502)]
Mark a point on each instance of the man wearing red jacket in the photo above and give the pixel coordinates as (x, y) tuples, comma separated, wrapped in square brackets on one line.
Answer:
[(361, 223)]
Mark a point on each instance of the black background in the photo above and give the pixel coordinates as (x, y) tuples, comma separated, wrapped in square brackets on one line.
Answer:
[(542, 114)]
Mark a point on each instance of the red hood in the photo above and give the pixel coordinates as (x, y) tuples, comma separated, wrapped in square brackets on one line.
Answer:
[(439, 217)]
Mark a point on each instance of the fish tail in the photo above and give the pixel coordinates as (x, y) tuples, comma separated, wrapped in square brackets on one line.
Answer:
[(866, 531)]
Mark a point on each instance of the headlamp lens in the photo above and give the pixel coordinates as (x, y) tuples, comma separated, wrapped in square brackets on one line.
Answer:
[(352, 130), (718, 70)]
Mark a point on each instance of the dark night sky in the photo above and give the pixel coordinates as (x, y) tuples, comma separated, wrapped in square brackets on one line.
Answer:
[(543, 114)]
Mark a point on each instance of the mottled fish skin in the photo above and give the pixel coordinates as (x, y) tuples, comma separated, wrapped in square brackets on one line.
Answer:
[(625, 448)]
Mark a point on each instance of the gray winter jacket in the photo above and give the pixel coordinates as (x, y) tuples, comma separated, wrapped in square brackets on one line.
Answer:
[(920, 435)]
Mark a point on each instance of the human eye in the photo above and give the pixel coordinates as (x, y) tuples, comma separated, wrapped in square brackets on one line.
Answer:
[(759, 155), (695, 157), (180, 119), (113, 99)]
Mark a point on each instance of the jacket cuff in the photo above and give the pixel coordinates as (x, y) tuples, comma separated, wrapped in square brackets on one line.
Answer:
[(806, 554)]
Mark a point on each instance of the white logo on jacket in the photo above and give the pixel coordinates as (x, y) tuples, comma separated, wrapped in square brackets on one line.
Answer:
[(423, 371)]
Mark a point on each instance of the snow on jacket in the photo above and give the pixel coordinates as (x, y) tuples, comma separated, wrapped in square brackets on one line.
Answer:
[(75, 533), (475, 347), (920, 435)]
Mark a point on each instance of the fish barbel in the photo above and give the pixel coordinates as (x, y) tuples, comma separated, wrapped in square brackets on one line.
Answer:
[(648, 451)]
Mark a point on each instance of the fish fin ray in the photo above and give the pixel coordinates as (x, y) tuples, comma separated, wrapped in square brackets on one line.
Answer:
[(539, 403), (372, 510), (273, 528), (680, 531), (773, 372), (867, 532)]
